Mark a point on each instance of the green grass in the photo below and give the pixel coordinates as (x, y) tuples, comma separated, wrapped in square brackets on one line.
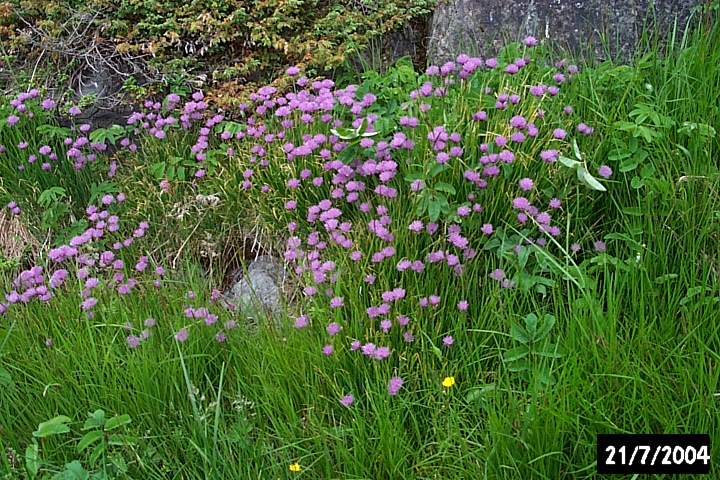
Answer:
[(634, 348)]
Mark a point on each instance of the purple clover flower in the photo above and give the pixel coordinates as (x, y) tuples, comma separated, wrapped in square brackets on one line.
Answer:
[(605, 171)]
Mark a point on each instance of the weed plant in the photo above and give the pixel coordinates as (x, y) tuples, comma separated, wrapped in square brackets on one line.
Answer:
[(492, 262)]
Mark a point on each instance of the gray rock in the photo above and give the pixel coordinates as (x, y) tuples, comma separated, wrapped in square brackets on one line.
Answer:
[(257, 293), (482, 27)]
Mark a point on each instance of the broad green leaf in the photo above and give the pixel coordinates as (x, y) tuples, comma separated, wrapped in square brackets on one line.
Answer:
[(411, 177), (181, 174), (116, 422), (76, 471), (521, 365), (477, 393), (5, 378), (53, 131), (548, 324), (629, 164), (344, 133), (665, 278), (551, 350), (545, 376), (96, 419), (589, 180), (88, 439), (157, 170), (32, 458), (516, 353), (647, 171), (692, 292), (52, 427), (119, 462), (523, 256), (434, 210), (97, 452), (620, 154), (633, 211), (576, 150), (231, 127), (445, 187), (531, 322), (363, 126), (519, 333), (568, 162), (119, 440), (423, 204), (637, 182), (435, 169)]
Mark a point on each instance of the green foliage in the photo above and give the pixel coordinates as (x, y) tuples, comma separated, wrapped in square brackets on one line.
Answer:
[(105, 437), (257, 39), (527, 358)]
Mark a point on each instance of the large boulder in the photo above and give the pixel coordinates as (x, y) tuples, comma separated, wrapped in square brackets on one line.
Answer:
[(603, 27), (256, 290)]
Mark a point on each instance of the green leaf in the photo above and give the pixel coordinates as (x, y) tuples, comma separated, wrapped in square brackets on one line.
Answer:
[(88, 439), (629, 164), (411, 177), (665, 278), (568, 162), (519, 333), (531, 321), (95, 420), (423, 203), (181, 173), (435, 169), (477, 393), (620, 154), (120, 440), (516, 353), (647, 171), (633, 144), (545, 376), (519, 365), (53, 131), (445, 187), (434, 210), (32, 458), (97, 452), (119, 462), (76, 470), (692, 292), (585, 177), (523, 256), (5, 378), (637, 182), (157, 170), (52, 427), (550, 350), (633, 211), (576, 150), (116, 422), (344, 133), (363, 126), (548, 324)]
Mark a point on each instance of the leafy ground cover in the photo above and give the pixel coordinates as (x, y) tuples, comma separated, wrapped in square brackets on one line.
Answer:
[(490, 263)]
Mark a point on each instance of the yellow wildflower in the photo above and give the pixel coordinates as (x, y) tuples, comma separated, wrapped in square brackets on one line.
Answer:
[(295, 467), (448, 382)]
